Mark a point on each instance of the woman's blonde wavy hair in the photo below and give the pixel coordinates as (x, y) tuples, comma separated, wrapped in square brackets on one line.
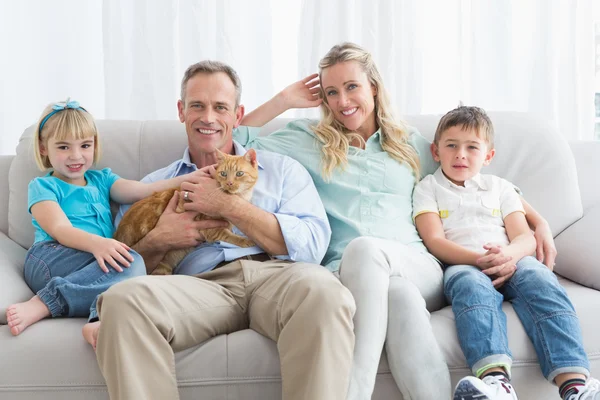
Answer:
[(336, 138)]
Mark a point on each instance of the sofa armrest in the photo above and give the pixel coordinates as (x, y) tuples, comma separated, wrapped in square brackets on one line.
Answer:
[(13, 288), (5, 161), (578, 256), (587, 159)]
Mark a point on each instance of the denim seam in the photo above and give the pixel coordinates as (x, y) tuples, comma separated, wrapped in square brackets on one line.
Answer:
[(536, 324), (46, 268), (479, 306), (52, 301), (555, 314), (537, 327)]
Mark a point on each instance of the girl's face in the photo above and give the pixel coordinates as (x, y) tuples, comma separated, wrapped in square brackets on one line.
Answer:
[(350, 96), (70, 158)]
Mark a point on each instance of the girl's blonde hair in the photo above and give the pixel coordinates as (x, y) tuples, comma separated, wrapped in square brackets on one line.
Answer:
[(65, 124), (336, 138)]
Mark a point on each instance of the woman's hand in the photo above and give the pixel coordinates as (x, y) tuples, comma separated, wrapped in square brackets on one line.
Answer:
[(111, 251), (302, 94), (545, 250)]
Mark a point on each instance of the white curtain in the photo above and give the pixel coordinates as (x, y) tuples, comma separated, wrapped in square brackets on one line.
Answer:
[(48, 50), (124, 59), (523, 55), (148, 46)]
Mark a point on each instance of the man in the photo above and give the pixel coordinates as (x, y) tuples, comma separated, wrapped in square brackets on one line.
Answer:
[(299, 304)]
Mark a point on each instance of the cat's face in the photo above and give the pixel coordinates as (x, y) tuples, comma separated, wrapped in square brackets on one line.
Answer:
[(237, 174)]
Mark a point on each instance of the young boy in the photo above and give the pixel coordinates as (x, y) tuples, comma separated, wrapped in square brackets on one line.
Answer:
[(476, 225)]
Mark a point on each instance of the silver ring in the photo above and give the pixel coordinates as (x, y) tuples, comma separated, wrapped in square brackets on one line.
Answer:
[(186, 195)]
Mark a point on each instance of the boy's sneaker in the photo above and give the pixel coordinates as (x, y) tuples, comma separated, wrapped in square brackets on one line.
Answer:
[(591, 391), (491, 387)]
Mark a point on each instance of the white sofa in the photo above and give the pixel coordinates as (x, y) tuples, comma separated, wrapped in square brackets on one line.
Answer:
[(50, 360)]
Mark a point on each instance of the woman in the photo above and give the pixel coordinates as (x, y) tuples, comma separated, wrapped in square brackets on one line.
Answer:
[(365, 164)]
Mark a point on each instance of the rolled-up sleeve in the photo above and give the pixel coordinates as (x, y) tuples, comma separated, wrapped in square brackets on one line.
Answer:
[(302, 216)]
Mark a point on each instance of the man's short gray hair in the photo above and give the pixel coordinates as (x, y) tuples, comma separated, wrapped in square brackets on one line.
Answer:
[(212, 67)]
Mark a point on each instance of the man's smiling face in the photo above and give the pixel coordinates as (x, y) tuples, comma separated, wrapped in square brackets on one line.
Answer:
[(210, 113)]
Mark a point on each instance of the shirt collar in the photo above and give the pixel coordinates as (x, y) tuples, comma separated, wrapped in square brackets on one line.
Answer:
[(475, 181), (377, 136), (187, 160)]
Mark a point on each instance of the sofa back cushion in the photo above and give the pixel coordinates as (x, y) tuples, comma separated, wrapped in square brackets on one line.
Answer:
[(530, 154)]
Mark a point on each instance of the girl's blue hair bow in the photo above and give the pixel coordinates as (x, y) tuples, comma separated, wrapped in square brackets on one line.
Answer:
[(61, 105)]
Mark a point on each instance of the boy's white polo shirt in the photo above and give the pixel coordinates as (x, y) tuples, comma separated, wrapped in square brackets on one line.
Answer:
[(472, 215)]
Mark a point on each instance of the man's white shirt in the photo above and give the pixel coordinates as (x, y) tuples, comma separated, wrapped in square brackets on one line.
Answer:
[(472, 215)]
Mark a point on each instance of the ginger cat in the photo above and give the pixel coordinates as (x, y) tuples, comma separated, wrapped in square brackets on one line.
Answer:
[(237, 176)]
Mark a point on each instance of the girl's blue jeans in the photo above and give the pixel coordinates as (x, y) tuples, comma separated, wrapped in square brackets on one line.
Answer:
[(69, 281), (541, 304)]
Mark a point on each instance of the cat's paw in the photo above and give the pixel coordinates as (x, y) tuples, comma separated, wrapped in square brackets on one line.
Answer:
[(162, 269), (245, 242)]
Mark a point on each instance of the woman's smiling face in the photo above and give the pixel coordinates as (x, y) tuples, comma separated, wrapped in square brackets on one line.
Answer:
[(350, 96)]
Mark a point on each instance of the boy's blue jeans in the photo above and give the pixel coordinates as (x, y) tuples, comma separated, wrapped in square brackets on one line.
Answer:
[(69, 281), (541, 304)]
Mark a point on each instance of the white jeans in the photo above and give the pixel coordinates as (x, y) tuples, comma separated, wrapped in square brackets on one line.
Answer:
[(393, 286)]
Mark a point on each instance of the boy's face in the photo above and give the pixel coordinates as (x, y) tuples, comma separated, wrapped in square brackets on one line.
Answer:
[(461, 153)]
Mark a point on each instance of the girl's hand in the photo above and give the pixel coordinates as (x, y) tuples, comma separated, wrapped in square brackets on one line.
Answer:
[(111, 251), (204, 172), (302, 94)]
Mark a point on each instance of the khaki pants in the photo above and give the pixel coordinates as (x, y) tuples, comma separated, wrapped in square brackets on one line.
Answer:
[(302, 307)]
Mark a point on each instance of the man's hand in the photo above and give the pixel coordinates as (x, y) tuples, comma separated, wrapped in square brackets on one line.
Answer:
[(302, 94), (205, 197), (497, 265), (545, 250), (179, 230)]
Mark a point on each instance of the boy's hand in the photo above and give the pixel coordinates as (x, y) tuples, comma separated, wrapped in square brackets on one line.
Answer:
[(493, 257), (498, 266), (302, 94), (111, 251)]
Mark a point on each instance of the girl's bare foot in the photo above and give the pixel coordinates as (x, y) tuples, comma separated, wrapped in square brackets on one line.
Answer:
[(90, 332), (21, 315)]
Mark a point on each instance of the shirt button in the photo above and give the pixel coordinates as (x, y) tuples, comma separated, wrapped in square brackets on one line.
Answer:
[(365, 172)]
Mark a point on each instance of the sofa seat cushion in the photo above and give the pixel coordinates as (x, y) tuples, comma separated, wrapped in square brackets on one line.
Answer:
[(51, 360)]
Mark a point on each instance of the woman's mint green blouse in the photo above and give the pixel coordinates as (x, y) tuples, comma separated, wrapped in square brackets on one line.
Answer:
[(372, 196)]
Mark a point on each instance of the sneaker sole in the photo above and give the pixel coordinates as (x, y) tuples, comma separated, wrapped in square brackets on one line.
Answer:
[(466, 391)]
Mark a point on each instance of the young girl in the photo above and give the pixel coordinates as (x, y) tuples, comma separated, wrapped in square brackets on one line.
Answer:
[(74, 257)]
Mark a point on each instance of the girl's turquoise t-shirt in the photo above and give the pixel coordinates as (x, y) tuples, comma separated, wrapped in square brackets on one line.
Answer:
[(372, 196), (87, 207)]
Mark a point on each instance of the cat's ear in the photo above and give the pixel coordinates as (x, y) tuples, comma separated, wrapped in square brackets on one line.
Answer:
[(220, 155), (250, 156)]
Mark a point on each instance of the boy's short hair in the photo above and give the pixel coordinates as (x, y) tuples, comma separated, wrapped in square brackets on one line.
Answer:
[(468, 117)]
